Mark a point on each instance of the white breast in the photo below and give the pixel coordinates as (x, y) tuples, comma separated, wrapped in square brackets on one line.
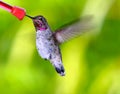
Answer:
[(43, 43)]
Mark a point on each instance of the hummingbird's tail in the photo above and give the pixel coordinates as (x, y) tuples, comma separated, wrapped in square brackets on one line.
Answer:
[(60, 70), (58, 67)]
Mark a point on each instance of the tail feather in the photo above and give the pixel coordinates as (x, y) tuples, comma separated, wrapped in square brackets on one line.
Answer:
[(60, 70), (58, 67)]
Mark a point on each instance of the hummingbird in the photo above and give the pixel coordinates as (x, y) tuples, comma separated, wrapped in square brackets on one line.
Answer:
[(47, 42)]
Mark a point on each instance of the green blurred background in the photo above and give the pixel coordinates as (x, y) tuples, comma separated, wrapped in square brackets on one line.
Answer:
[(92, 61)]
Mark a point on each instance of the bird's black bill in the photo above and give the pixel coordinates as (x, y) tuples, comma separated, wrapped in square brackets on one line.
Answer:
[(29, 17)]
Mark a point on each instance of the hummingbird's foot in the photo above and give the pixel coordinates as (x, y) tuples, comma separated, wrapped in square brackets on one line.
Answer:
[(60, 70)]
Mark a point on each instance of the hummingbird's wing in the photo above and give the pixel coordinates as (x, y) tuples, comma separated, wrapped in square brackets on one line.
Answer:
[(73, 30)]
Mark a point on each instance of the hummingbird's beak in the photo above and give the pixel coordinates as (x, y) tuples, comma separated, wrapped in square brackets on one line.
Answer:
[(29, 17)]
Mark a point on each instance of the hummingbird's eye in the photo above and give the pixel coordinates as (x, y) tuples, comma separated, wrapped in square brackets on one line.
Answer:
[(40, 18)]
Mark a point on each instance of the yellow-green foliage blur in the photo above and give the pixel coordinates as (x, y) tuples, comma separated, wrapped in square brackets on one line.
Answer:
[(92, 61)]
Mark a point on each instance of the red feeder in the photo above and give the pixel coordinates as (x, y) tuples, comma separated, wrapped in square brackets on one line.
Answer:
[(16, 11)]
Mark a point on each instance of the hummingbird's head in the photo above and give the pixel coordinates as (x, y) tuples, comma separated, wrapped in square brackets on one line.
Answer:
[(40, 22)]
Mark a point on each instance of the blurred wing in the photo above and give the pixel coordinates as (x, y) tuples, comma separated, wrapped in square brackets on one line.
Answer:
[(74, 30)]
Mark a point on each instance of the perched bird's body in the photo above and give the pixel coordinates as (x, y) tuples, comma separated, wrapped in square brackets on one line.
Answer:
[(47, 42)]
